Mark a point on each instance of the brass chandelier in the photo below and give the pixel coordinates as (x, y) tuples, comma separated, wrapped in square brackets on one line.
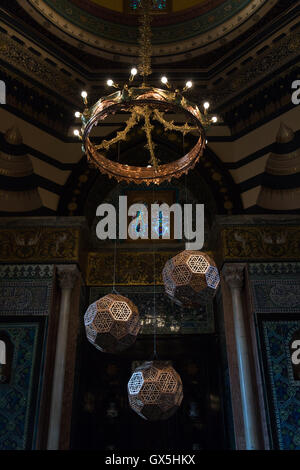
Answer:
[(145, 104)]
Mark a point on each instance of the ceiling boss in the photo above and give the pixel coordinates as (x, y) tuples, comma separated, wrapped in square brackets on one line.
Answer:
[(148, 107)]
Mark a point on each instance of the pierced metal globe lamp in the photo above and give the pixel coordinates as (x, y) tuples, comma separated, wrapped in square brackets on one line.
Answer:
[(191, 278), (155, 391), (112, 323)]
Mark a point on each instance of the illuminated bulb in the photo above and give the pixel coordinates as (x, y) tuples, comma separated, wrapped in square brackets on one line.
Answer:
[(214, 119), (206, 105), (76, 132), (84, 94), (77, 114), (164, 80), (110, 82), (149, 166), (189, 84), (206, 141), (133, 71)]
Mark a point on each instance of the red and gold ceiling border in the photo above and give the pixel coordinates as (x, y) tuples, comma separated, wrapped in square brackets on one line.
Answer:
[(180, 16), (180, 43)]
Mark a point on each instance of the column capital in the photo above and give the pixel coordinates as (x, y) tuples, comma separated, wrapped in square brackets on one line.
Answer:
[(67, 275), (234, 274)]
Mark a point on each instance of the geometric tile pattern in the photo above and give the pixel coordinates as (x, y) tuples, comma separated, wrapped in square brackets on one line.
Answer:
[(276, 295), (285, 391), (155, 391), (17, 405), (112, 323), (262, 269), (212, 277), (135, 383), (197, 264), (191, 278), (275, 288), (26, 289)]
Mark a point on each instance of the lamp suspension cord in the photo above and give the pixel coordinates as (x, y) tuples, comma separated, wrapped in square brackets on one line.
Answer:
[(115, 247), (186, 201), (115, 261), (154, 293)]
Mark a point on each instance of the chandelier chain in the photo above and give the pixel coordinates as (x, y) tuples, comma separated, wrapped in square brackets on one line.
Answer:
[(145, 44), (115, 246), (154, 295)]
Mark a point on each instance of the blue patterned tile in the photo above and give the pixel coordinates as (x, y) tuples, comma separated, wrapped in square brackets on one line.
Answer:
[(15, 398), (282, 296), (285, 391)]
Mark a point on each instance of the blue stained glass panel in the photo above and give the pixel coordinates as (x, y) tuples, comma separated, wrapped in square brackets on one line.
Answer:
[(157, 4)]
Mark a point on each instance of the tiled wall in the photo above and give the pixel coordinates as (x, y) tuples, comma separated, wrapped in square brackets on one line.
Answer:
[(25, 302), (276, 301)]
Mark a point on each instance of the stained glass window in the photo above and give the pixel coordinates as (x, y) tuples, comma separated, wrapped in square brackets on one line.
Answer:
[(158, 5), (140, 225), (161, 225)]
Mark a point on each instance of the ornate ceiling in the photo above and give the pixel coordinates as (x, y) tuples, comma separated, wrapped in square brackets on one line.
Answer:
[(181, 34), (246, 78)]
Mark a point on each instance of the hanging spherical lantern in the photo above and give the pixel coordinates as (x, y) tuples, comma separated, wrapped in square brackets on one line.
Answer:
[(191, 278), (155, 391), (112, 323)]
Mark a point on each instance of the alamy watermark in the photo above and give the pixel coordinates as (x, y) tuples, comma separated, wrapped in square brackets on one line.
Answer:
[(296, 93), (296, 353), (2, 92), (2, 353), (160, 222)]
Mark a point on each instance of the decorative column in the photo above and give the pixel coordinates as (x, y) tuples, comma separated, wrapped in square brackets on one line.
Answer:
[(234, 277), (67, 276)]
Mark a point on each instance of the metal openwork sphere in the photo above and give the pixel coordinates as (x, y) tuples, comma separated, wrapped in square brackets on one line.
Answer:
[(155, 391), (191, 278), (112, 323)]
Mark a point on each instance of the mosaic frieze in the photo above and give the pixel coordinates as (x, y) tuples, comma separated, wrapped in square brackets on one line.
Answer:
[(169, 33), (261, 242), (39, 244), (132, 268), (258, 270), (26, 61), (26, 289), (282, 296), (272, 59)]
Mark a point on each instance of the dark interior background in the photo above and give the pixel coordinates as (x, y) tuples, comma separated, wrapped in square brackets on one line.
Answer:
[(102, 418)]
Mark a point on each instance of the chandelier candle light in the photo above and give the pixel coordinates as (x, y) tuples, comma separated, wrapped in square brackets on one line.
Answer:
[(145, 104)]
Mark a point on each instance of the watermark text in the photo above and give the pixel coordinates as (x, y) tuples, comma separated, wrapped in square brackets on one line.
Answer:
[(159, 226)]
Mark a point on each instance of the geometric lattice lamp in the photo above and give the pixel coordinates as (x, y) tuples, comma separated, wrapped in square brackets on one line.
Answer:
[(155, 391), (112, 323), (191, 278)]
